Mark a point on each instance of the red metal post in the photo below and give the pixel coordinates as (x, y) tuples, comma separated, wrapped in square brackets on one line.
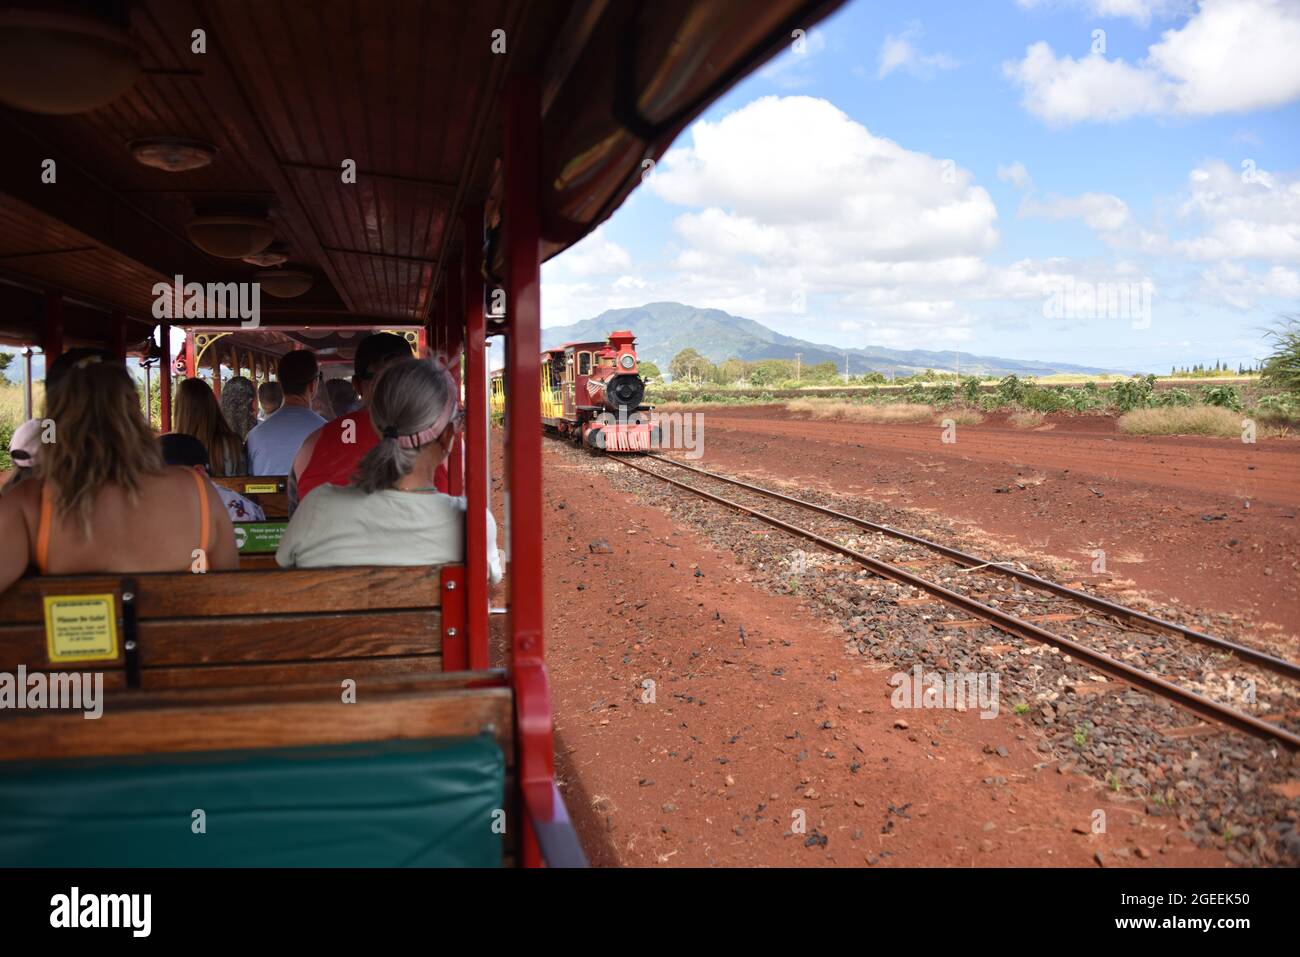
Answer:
[(455, 338), (452, 594), (215, 349), (477, 468), (52, 328), (524, 449), (191, 361), (165, 376)]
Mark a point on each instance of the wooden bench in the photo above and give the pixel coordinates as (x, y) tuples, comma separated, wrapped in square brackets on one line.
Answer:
[(418, 770), (229, 692), (178, 630)]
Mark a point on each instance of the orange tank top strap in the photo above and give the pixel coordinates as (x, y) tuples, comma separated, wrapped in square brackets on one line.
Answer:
[(204, 515), (43, 528)]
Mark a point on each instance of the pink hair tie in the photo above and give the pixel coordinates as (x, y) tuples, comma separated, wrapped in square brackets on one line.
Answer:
[(426, 436)]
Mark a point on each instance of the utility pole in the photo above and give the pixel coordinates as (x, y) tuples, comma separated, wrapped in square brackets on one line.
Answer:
[(797, 367), (846, 368)]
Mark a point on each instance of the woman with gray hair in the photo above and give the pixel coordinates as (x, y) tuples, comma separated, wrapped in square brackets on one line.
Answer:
[(239, 405), (392, 514)]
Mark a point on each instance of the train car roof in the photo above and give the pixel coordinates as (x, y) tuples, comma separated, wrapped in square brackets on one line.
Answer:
[(287, 94)]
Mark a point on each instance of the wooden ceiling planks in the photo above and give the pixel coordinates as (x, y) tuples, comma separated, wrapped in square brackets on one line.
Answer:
[(407, 89)]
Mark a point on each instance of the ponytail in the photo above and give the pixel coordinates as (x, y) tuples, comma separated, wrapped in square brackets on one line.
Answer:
[(413, 402)]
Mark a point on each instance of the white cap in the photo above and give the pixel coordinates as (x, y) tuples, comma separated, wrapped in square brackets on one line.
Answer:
[(25, 443)]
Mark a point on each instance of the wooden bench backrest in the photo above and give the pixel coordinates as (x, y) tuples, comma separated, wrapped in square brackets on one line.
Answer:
[(179, 630), (389, 707)]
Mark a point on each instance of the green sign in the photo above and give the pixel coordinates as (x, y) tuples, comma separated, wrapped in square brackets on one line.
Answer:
[(258, 538)]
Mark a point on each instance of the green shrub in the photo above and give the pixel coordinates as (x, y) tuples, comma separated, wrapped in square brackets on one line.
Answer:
[(1134, 393), (1044, 399), (1224, 396), (1282, 368), (1011, 388), (1174, 397), (943, 394)]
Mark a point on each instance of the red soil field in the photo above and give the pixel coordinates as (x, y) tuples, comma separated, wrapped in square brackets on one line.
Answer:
[(747, 734), (1210, 523)]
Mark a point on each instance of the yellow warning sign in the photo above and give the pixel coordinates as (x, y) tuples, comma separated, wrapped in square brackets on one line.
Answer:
[(268, 489), (81, 627)]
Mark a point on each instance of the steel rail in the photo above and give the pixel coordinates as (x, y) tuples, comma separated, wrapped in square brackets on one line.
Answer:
[(1280, 665), (1012, 625)]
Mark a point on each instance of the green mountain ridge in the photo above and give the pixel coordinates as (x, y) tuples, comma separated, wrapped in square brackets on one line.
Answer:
[(665, 328)]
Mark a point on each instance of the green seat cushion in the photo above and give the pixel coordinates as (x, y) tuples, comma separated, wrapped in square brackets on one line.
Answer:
[(423, 803)]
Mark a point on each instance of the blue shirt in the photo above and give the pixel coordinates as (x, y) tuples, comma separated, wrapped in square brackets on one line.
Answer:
[(273, 444)]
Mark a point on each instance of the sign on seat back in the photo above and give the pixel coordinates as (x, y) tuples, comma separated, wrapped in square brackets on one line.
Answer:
[(412, 803), (268, 491)]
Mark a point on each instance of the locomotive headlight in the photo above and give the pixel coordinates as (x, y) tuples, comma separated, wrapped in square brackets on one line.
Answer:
[(627, 361)]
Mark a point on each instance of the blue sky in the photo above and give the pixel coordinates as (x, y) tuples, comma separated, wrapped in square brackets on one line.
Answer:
[(949, 175)]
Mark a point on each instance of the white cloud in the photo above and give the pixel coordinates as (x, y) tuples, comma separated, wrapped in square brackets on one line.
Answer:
[(1016, 175), (1233, 56), (1247, 214), (899, 52), (1064, 90), (1099, 211), (1230, 56), (595, 255), (1243, 288), (792, 70), (796, 180)]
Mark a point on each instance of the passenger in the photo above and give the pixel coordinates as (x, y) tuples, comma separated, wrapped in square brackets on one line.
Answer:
[(101, 499), (330, 455), (199, 415), (392, 514), (269, 398), (186, 450), (55, 371), (24, 446), (343, 397), (239, 405), (273, 444)]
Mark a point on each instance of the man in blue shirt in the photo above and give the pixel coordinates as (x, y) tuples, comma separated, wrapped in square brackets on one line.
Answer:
[(273, 444)]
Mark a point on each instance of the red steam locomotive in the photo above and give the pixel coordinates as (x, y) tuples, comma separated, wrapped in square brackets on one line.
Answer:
[(593, 392)]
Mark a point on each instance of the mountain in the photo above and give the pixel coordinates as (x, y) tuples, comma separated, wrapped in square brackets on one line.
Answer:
[(664, 329)]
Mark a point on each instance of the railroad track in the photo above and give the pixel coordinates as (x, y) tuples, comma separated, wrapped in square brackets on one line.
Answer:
[(1107, 636)]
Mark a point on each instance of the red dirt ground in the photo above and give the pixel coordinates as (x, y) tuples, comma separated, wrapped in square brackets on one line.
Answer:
[(1211, 523), (746, 736)]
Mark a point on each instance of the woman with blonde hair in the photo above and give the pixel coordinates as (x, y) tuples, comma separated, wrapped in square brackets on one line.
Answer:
[(100, 499), (199, 415), (392, 513)]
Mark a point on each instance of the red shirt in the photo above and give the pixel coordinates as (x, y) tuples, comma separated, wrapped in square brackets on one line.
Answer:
[(333, 461)]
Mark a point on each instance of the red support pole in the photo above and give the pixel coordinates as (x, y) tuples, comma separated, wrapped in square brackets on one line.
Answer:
[(191, 359), (524, 451), (215, 349), (477, 468), (52, 328), (455, 339), (165, 376)]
